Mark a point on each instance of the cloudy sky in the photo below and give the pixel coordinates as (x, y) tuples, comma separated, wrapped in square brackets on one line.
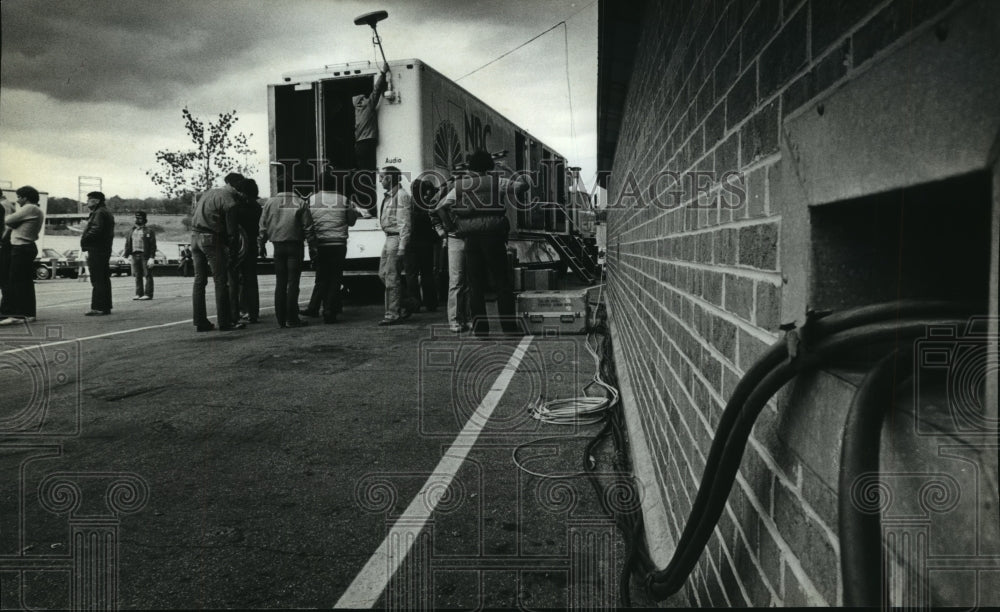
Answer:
[(95, 87)]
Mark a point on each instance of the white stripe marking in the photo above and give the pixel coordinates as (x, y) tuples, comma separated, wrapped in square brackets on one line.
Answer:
[(107, 335), (369, 584)]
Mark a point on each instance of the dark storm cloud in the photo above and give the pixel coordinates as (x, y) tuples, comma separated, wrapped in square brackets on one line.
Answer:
[(132, 52), (147, 53)]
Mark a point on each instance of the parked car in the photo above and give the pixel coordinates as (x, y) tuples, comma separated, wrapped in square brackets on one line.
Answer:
[(160, 259), (120, 264), (50, 263)]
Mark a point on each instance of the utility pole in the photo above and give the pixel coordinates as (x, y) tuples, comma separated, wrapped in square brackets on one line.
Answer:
[(86, 184)]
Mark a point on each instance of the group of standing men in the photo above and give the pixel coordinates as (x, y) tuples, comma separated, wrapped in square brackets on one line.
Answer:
[(469, 212), (22, 224)]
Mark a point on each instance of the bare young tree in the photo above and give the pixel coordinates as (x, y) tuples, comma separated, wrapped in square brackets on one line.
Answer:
[(217, 151)]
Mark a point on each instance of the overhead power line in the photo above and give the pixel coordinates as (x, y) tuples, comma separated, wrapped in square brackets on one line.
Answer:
[(524, 44), (527, 42)]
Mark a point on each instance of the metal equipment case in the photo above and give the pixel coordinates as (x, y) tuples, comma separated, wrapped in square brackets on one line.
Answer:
[(554, 312)]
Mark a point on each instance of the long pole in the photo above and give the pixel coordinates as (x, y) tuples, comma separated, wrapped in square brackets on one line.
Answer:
[(378, 41)]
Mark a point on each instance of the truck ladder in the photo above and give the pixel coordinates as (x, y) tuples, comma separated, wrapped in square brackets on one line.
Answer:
[(574, 252)]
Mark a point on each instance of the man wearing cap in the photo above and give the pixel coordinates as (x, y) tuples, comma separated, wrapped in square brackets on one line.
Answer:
[(140, 245), (96, 240)]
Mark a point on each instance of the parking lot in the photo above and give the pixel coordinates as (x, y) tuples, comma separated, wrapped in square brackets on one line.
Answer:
[(346, 464)]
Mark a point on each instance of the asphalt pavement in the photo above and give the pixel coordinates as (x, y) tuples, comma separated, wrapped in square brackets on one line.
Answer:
[(146, 464)]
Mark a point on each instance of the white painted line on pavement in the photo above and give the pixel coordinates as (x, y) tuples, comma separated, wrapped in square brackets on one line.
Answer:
[(369, 584), (107, 335)]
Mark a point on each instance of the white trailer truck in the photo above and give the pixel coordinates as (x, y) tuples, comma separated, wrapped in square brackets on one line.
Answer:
[(427, 123)]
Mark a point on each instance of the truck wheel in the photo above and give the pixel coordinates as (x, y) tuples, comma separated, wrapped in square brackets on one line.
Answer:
[(42, 272)]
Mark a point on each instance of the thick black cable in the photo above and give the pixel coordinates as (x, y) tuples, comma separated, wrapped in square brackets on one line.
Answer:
[(816, 327), (713, 492), (736, 442), (859, 526)]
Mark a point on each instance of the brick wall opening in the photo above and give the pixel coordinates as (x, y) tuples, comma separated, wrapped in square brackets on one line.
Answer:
[(927, 241)]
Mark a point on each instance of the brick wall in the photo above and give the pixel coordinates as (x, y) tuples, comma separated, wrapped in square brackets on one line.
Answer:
[(695, 275)]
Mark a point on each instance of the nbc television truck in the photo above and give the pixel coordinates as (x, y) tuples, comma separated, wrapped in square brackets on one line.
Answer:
[(427, 124)]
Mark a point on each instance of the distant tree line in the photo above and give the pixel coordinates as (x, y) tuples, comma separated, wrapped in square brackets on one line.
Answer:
[(154, 206)]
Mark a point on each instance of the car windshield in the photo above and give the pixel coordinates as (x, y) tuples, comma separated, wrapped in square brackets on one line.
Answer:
[(50, 253)]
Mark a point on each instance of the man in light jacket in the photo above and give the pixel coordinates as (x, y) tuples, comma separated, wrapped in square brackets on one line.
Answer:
[(332, 214), (394, 217), (283, 222), (140, 245), (21, 228)]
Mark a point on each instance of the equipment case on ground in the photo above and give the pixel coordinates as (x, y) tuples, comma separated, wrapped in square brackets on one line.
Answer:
[(554, 312)]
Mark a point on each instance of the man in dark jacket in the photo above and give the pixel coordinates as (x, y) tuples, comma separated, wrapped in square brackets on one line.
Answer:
[(418, 261), (96, 242), (477, 208), (140, 245)]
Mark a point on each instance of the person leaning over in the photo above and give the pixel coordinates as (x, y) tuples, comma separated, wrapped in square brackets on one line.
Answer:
[(140, 245), (394, 218), (283, 222), (21, 229), (332, 214), (96, 240), (213, 230), (478, 204), (244, 290)]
